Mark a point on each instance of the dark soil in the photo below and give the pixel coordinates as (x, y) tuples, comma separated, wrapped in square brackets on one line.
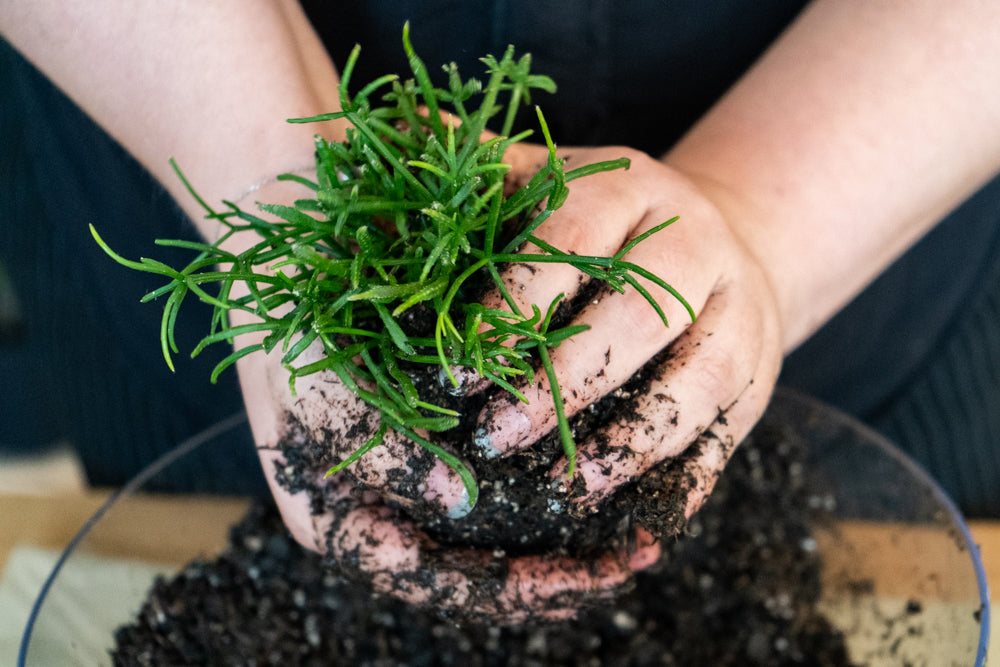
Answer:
[(738, 588)]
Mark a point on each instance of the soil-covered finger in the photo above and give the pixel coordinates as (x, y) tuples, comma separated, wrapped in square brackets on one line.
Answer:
[(719, 441), (588, 365), (546, 586), (624, 331)]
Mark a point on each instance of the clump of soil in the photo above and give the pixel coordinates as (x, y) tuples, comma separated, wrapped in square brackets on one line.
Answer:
[(740, 587)]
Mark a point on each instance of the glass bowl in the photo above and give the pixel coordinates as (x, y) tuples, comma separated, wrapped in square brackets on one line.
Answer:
[(902, 577)]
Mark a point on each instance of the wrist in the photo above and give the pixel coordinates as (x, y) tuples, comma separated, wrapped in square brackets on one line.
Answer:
[(252, 173), (801, 306)]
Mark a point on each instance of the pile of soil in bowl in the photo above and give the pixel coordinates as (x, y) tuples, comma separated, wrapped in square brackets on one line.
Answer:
[(739, 587)]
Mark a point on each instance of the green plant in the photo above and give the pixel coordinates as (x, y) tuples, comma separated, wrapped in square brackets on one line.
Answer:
[(408, 213)]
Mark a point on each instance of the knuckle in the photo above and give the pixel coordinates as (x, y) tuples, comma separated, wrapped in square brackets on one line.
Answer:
[(718, 375)]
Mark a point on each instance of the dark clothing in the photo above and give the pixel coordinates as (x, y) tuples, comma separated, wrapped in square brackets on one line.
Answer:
[(917, 355)]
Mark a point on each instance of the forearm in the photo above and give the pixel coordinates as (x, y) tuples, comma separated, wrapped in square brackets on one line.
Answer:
[(208, 83), (862, 127)]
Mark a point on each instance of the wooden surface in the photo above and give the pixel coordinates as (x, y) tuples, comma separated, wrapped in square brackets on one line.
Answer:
[(129, 530), (987, 535)]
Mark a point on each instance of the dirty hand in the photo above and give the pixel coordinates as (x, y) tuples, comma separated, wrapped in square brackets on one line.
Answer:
[(715, 376), (373, 541)]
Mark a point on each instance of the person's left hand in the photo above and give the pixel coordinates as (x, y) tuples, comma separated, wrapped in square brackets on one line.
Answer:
[(717, 374)]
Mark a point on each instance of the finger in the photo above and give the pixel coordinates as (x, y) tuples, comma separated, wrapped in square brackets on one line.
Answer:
[(715, 446), (398, 467), (719, 374), (556, 588)]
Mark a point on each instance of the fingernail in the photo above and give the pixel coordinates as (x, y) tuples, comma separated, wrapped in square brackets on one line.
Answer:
[(502, 431), (444, 488), (484, 442), (469, 381), (462, 508)]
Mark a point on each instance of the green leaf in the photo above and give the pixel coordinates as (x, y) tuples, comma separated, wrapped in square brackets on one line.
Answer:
[(233, 358), (394, 330), (424, 81), (384, 293), (430, 290), (369, 445), (553, 338), (565, 435), (230, 333), (642, 237)]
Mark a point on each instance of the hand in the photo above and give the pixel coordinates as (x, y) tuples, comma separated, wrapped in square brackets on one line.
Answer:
[(717, 374), (372, 541)]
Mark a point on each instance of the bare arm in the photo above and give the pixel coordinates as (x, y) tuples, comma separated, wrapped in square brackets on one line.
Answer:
[(863, 126), (208, 83)]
